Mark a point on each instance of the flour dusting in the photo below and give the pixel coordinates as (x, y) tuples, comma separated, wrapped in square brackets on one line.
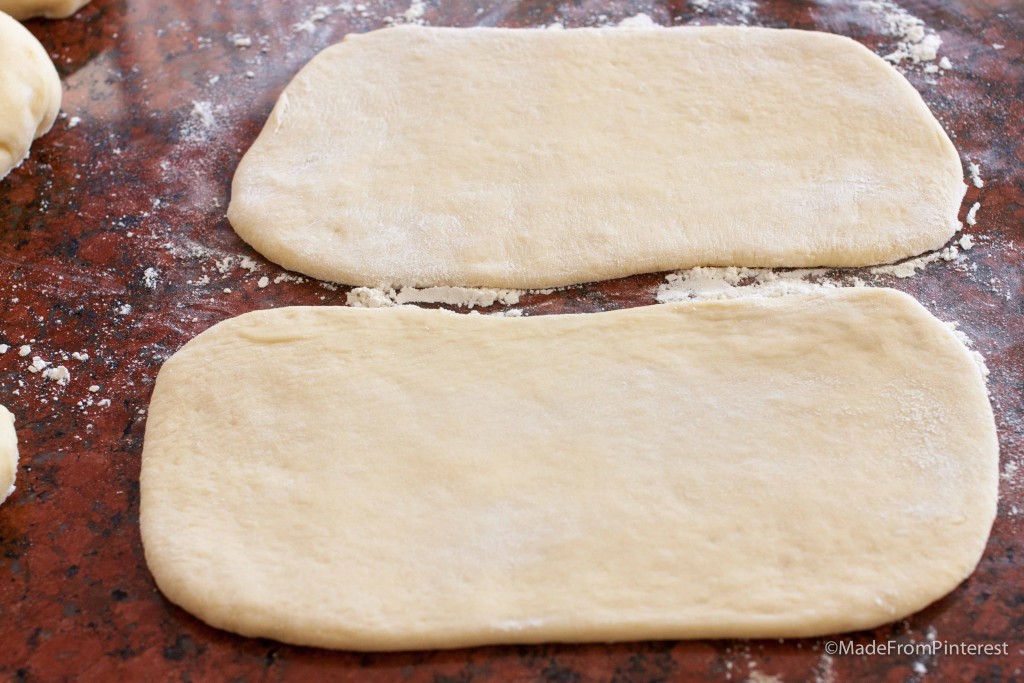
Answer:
[(975, 172), (732, 283), (638, 21), (910, 267), (914, 40), (465, 297), (972, 215)]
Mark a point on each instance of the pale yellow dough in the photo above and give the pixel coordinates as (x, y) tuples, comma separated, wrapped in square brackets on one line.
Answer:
[(8, 454), (406, 478), (30, 92), (50, 9), (536, 158)]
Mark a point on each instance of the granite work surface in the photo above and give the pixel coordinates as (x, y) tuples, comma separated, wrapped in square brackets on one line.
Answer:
[(114, 244)]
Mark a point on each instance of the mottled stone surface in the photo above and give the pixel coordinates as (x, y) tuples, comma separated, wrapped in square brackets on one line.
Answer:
[(166, 104)]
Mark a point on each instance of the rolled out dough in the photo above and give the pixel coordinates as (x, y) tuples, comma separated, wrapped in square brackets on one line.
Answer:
[(406, 478), (51, 9), (30, 92), (8, 454), (537, 158)]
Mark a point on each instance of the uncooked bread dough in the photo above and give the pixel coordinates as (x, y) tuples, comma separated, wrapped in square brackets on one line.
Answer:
[(406, 478), (536, 158), (30, 92), (51, 9), (8, 454)]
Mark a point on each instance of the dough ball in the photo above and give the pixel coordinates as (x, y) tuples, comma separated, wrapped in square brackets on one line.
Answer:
[(30, 92), (51, 9), (8, 453)]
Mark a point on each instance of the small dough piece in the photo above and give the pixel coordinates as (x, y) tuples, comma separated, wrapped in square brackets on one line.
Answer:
[(534, 158), (8, 454), (30, 92), (406, 478), (50, 9)]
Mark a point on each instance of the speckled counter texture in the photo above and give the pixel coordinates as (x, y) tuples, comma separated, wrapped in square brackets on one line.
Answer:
[(166, 103)]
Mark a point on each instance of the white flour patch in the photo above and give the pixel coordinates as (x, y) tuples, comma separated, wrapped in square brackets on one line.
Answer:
[(318, 14), (369, 297), (465, 297), (59, 374), (733, 282), (914, 40), (972, 215), (414, 15), (975, 172), (911, 266), (200, 124), (638, 21)]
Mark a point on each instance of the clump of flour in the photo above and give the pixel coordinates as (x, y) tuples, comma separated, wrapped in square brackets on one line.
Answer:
[(914, 40), (638, 21), (910, 267), (733, 282), (465, 297)]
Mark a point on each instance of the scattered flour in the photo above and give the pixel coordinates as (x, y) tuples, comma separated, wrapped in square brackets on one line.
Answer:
[(368, 297), (200, 124), (59, 374), (733, 282), (908, 268), (966, 242), (150, 277), (414, 15), (638, 21), (24, 350), (975, 172), (308, 25), (824, 670), (914, 41), (466, 297), (758, 677), (972, 215)]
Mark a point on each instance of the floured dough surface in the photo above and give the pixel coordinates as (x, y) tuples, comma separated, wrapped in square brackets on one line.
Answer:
[(50, 9), (8, 454), (536, 158), (406, 478), (30, 92)]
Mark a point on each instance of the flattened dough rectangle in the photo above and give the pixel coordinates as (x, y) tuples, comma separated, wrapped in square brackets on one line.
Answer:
[(536, 158), (406, 478)]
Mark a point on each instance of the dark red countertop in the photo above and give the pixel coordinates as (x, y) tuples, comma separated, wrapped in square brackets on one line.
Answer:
[(164, 104)]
